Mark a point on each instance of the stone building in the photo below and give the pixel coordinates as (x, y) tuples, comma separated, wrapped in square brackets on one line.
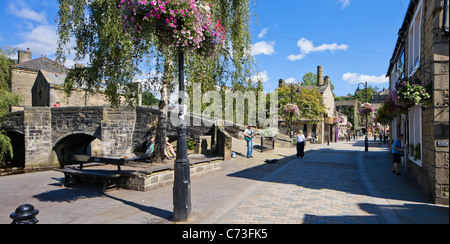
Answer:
[(349, 107), (422, 53), (40, 83), (324, 129), (380, 97), (25, 72)]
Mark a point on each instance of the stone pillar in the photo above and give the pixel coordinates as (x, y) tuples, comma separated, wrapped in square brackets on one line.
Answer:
[(38, 139), (117, 132)]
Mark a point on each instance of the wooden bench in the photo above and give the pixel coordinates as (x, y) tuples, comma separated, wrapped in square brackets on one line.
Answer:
[(73, 174)]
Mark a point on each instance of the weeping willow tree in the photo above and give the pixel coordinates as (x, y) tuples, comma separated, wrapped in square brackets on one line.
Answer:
[(116, 47), (7, 98)]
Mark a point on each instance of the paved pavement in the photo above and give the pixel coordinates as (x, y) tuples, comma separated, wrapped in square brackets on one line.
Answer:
[(337, 184)]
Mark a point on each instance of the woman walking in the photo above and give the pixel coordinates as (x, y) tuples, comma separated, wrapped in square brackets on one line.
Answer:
[(397, 153), (300, 144)]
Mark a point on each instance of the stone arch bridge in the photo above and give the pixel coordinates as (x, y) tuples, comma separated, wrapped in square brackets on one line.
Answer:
[(45, 137)]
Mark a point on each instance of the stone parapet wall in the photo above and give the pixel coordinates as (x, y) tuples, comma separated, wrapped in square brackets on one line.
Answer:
[(146, 181)]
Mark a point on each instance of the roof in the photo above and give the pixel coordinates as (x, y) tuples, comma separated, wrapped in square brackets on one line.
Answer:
[(54, 78), (320, 88), (42, 63)]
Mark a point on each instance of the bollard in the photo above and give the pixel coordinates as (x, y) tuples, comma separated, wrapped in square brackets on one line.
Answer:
[(25, 214)]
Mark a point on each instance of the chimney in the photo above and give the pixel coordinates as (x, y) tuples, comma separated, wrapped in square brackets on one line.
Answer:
[(319, 76), (327, 80), (24, 56)]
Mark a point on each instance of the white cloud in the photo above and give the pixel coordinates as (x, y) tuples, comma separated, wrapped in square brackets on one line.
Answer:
[(306, 46), (345, 3), (355, 78), (42, 40), (263, 33), (290, 80), (293, 57), (26, 13), (263, 48), (262, 76)]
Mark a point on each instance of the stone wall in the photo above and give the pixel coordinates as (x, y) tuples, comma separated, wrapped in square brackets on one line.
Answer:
[(53, 135), (146, 181), (223, 143), (433, 173), (23, 82), (117, 133), (38, 140)]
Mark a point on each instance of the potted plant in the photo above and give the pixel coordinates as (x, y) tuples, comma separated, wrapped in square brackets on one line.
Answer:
[(411, 92), (181, 24), (366, 108), (291, 108)]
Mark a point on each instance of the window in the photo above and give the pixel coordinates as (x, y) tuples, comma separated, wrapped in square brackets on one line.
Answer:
[(400, 66), (415, 135), (398, 73), (414, 40)]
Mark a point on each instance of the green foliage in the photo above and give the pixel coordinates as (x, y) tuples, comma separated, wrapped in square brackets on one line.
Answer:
[(149, 99), (384, 117), (115, 58), (7, 98), (309, 79), (309, 101), (5, 145), (361, 94), (190, 144)]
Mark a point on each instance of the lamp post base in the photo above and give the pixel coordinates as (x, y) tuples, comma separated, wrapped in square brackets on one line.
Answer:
[(182, 193)]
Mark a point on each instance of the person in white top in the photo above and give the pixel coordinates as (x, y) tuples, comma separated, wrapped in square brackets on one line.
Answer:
[(249, 134), (300, 144)]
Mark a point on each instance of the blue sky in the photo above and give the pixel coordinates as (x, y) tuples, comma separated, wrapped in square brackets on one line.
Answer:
[(352, 39)]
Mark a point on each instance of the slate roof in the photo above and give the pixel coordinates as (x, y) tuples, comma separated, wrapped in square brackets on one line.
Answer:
[(42, 63), (54, 78)]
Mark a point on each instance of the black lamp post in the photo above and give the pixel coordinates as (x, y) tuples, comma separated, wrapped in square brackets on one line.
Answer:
[(182, 178), (367, 100)]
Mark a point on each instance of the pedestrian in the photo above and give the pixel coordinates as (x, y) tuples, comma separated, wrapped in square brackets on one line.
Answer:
[(150, 147), (169, 151), (300, 144), (248, 135), (57, 105), (397, 152)]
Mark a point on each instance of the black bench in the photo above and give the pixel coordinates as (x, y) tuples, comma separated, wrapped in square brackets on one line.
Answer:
[(73, 174)]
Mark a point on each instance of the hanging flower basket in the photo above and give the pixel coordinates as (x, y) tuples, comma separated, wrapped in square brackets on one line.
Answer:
[(411, 92), (182, 24), (366, 108), (337, 120), (291, 108)]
